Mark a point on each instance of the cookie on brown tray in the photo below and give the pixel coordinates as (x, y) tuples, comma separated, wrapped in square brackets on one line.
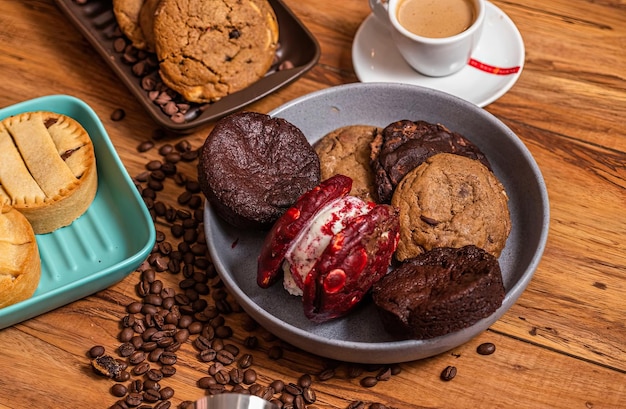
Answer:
[(146, 22), (127, 16), (438, 292), (48, 168), (403, 145), (451, 201), (210, 49), (346, 151)]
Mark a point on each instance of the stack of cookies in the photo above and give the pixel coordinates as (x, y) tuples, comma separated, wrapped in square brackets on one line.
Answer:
[(48, 178), (206, 49)]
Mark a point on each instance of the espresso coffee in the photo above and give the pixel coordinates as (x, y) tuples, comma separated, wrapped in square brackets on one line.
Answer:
[(436, 18)]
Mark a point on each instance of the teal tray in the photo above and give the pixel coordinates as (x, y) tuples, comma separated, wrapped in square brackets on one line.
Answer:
[(108, 242)]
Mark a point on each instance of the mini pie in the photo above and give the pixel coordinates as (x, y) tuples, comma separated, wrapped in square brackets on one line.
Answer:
[(20, 266), (47, 168)]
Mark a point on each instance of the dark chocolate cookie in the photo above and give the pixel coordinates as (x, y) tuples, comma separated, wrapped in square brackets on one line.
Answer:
[(404, 145), (253, 167), (440, 291)]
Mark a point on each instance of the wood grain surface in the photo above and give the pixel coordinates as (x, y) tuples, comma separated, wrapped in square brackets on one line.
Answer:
[(562, 345)]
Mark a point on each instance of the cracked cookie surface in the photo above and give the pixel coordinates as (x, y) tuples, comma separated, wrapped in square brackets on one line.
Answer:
[(451, 201), (213, 48), (346, 151)]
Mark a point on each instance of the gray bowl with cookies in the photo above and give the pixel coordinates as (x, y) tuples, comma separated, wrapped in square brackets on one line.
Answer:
[(473, 210)]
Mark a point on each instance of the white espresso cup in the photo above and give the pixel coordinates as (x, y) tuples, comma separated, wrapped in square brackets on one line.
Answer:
[(433, 56)]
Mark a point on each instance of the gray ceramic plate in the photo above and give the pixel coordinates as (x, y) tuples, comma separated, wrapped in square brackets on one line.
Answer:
[(360, 337)]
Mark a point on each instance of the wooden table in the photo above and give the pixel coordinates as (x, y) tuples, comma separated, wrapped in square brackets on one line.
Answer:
[(562, 345)]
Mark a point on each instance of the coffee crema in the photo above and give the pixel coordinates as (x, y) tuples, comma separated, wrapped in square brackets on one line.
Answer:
[(436, 18)]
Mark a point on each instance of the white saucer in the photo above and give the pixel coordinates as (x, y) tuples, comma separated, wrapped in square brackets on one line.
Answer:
[(376, 59)]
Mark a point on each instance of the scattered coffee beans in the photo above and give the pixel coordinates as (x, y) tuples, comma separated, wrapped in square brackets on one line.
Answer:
[(194, 312)]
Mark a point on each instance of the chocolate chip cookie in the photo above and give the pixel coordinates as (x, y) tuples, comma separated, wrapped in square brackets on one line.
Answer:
[(127, 16), (403, 145), (346, 151), (213, 48), (451, 201)]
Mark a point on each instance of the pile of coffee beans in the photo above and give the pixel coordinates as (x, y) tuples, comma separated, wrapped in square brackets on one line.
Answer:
[(195, 313)]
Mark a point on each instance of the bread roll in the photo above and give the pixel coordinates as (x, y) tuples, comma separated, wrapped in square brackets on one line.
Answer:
[(20, 266)]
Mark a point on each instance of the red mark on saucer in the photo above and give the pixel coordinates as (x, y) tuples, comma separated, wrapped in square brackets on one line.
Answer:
[(491, 69)]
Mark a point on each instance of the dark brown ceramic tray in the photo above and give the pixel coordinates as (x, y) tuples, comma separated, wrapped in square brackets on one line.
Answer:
[(298, 48)]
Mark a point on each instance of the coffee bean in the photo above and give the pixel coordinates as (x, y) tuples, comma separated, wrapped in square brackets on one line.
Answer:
[(486, 348), (356, 405), (134, 399), (222, 377), (245, 361), (151, 395), (96, 351), (384, 374), (309, 395), (168, 358), (137, 357), (165, 404), (277, 385), (154, 375), (275, 352), (118, 114), (326, 374), (150, 384), (167, 393), (119, 390), (168, 370), (141, 369), (249, 376), (293, 389), (145, 146), (215, 368), (206, 382), (448, 373), (369, 381)]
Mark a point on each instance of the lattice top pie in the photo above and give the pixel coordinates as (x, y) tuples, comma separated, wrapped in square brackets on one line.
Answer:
[(47, 168)]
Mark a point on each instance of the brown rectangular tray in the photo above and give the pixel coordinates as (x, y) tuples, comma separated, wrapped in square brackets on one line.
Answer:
[(96, 21)]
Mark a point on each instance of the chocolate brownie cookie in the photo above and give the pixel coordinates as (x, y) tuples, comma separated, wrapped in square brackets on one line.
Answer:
[(253, 167), (127, 16), (451, 201), (346, 151), (438, 292), (403, 145), (209, 49)]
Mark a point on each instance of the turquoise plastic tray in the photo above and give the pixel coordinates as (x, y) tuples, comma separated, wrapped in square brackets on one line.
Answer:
[(109, 241)]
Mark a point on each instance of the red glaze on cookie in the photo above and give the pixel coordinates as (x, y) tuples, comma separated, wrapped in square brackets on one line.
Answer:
[(355, 259), (291, 223)]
